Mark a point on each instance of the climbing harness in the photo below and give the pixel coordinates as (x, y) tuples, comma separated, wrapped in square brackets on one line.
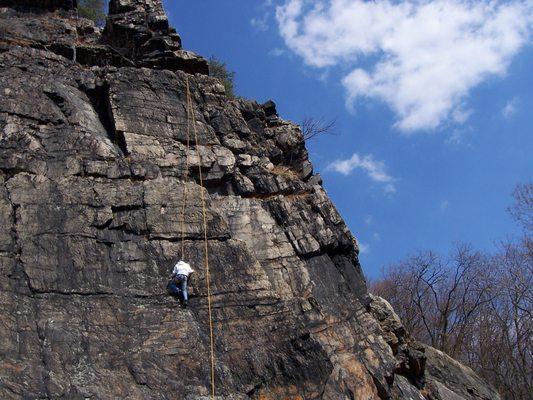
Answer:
[(191, 118)]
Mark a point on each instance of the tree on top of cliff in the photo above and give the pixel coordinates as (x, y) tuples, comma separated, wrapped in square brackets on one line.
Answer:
[(219, 70), (93, 10)]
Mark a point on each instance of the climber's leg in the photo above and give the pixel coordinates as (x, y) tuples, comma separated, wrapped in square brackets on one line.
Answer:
[(173, 288), (183, 289)]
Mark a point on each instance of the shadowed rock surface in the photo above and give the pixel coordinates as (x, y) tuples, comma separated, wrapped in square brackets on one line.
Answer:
[(92, 178)]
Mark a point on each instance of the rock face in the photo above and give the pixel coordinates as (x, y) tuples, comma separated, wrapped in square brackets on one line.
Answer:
[(93, 173), (140, 31)]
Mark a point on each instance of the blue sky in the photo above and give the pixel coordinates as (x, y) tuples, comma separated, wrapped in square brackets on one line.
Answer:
[(428, 149)]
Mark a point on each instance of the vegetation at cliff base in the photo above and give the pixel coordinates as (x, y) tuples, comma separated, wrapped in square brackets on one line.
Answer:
[(476, 307), (93, 10)]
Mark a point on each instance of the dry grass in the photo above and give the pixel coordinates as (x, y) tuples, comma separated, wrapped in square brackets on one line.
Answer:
[(285, 172)]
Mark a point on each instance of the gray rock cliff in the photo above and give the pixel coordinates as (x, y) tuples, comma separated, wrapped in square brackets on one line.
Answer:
[(92, 178)]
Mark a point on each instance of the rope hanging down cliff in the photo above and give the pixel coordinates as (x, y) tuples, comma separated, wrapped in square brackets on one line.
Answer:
[(191, 118)]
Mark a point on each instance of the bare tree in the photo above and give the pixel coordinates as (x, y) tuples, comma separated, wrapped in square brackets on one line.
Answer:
[(506, 330), (438, 298), (477, 308), (522, 209), (312, 127)]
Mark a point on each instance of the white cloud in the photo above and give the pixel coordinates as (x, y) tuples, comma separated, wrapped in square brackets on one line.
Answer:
[(376, 236), (510, 108), (375, 170), (364, 248), (459, 136), (276, 52), (456, 137), (369, 220), (444, 204), (260, 23), (420, 57), (460, 115), (390, 188)]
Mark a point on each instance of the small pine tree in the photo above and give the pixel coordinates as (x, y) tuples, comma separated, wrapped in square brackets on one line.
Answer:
[(93, 10), (219, 70)]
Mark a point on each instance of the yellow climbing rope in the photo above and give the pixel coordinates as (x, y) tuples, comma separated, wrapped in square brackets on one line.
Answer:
[(191, 118)]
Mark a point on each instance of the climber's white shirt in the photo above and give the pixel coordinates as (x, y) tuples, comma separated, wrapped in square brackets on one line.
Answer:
[(182, 268)]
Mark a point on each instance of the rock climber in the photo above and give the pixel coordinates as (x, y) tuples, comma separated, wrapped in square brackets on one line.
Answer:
[(178, 281)]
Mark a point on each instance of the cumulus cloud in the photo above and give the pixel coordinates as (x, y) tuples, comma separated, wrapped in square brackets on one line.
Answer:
[(375, 170), (420, 57)]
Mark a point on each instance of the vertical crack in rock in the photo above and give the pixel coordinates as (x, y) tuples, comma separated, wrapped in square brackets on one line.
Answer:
[(43, 352), (19, 272), (100, 100)]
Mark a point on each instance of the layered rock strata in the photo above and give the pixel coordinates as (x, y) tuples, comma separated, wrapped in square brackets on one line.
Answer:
[(92, 179)]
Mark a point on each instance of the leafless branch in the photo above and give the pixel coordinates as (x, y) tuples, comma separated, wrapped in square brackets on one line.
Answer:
[(522, 209), (312, 127)]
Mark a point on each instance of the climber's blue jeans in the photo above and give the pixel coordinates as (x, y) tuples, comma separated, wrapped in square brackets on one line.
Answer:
[(180, 287)]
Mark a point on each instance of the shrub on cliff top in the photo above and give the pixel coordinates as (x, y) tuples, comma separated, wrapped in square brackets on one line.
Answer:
[(219, 70), (93, 10)]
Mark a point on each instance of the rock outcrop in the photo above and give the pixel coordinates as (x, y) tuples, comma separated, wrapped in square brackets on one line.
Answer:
[(93, 173), (140, 31)]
